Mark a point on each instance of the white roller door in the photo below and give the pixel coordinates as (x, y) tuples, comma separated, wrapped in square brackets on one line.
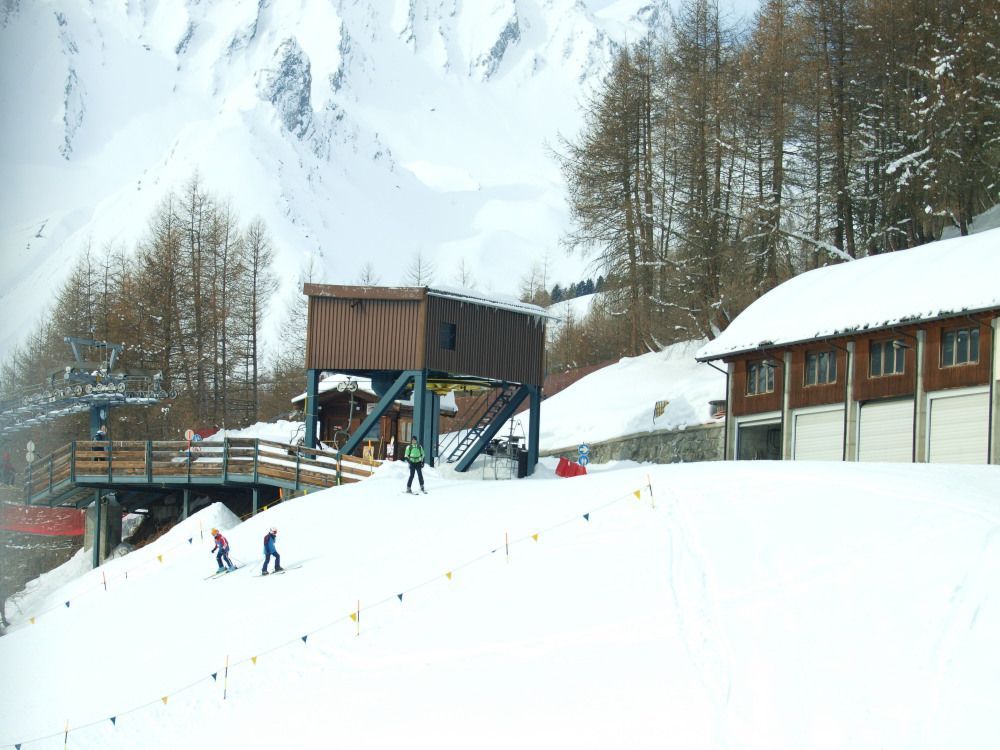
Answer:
[(819, 435), (885, 431), (959, 428)]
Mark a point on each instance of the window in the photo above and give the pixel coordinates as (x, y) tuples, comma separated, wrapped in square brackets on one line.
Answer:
[(887, 358), (446, 336), (760, 378), (960, 347), (821, 367)]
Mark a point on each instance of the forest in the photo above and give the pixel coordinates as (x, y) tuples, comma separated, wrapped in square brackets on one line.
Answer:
[(716, 162)]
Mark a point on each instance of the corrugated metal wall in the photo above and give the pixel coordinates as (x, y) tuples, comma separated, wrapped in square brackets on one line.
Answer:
[(489, 342), (368, 334)]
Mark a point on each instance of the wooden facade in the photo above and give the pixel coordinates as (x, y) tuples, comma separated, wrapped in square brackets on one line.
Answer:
[(389, 329)]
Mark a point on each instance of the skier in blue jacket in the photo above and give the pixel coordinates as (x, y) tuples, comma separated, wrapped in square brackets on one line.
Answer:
[(269, 549)]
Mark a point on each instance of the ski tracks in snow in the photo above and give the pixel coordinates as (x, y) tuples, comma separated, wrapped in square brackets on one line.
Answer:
[(694, 590)]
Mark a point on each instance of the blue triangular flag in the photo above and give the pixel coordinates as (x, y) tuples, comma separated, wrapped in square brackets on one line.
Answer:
[(114, 720), (586, 516), (191, 540), (304, 638), (67, 604), (215, 676), (400, 597), (17, 747)]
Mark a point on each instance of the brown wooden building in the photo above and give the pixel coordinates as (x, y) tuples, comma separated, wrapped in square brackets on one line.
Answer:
[(889, 358), (424, 341)]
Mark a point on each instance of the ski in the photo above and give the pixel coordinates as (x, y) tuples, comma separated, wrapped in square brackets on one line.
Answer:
[(278, 572), (220, 573)]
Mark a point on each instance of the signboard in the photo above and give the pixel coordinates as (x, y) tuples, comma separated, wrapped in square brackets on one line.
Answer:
[(197, 438), (584, 449), (583, 460), (188, 434)]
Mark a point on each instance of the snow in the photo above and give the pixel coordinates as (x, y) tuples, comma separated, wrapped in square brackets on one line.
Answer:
[(948, 277), (751, 605), (618, 400), (576, 309)]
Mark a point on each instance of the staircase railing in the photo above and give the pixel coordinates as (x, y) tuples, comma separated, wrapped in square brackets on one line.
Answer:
[(472, 434)]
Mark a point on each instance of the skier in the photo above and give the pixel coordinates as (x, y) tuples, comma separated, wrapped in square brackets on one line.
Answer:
[(269, 550), (414, 457), (223, 547)]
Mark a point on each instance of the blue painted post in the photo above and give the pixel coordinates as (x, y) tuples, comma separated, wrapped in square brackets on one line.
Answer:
[(420, 406), (434, 424), (312, 407), (187, 504), (256, 499), (97, 528), (535, 415)]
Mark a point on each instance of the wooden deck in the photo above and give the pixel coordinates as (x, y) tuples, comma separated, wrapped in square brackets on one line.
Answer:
[(70, 474)]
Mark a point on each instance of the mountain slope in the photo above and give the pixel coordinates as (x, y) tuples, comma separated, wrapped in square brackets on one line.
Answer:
[(359, 131), (751, 605)]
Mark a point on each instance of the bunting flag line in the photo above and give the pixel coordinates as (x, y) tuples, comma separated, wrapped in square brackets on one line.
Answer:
[(191, 540), (355, 616)]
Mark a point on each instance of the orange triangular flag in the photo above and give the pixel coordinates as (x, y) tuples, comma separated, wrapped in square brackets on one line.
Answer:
[(160, 558), (354, 616), (449, 575), (164, 699), (253, 659), (535, 537), (638, 494)]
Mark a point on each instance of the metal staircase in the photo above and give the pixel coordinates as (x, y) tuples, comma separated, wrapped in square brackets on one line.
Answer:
[(472, 435)]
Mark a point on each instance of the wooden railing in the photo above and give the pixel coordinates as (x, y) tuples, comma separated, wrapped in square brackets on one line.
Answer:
[(232, 461)]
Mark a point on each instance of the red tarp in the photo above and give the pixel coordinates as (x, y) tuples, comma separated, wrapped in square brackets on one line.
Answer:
[(567, 468), (46, 521)]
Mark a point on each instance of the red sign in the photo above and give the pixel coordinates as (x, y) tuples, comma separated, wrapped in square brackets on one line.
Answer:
[(30, 519)]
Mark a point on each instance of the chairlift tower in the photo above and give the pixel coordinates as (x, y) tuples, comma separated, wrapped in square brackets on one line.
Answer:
[(93, 385)]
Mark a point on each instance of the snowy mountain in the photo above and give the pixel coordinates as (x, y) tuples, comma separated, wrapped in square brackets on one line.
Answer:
[(359, 131)]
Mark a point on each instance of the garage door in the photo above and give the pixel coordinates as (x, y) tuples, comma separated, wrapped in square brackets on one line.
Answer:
[(886, 431), (959, 428), (819, 435)]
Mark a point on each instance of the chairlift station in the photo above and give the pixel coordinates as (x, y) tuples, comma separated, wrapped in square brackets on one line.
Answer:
[(421, 342)]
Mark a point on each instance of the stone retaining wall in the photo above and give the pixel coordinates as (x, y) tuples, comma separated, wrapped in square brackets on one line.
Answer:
[(701, 443)]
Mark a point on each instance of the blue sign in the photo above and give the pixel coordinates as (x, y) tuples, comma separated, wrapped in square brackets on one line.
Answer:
[(196, 437), (584, 449), (584, 460)]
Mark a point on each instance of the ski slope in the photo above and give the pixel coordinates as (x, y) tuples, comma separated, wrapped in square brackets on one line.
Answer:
[(729, 605)]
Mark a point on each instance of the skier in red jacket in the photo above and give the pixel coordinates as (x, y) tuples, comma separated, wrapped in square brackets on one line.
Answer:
[(223, 548)]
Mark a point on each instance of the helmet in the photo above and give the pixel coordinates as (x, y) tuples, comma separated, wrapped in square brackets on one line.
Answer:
[(214, 532)]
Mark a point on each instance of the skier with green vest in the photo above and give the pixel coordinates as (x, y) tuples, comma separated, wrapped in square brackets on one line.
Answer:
[(414, 457)]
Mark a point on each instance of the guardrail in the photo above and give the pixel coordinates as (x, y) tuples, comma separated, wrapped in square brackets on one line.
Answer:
[(247, 461)]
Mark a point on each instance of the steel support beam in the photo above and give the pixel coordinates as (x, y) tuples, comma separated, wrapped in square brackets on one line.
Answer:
[(535, 419), (98, 521), (493, 428), (186, 511), (312, 408), (381, 407)]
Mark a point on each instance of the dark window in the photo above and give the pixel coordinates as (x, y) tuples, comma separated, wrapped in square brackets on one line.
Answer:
[(446, 336), (821, 367), (760, 378), (886, 358), (960, 347)]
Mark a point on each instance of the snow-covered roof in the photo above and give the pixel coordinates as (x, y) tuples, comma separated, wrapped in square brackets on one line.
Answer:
[(940, 279), (499, 301)]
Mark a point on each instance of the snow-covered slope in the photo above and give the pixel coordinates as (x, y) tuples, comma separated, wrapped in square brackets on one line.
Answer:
[(359, 131), (735, 605)]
